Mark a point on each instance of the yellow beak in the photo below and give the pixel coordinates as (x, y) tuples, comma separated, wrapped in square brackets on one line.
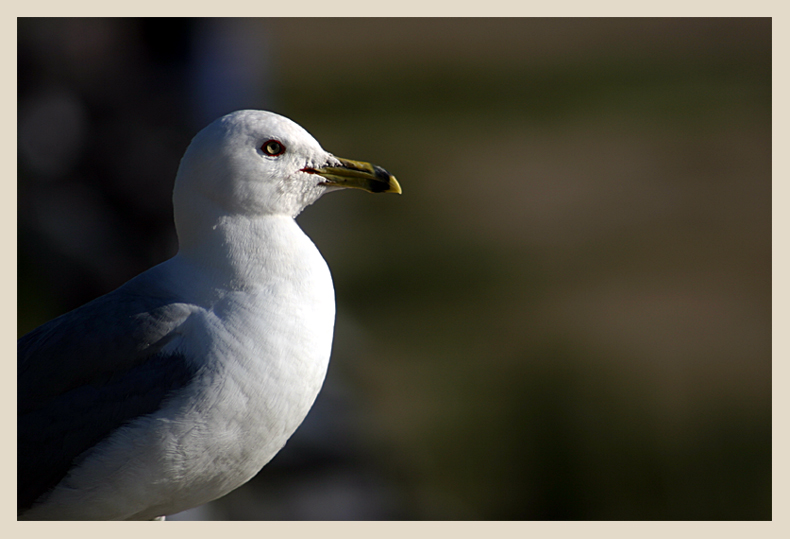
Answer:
[(358, 175)]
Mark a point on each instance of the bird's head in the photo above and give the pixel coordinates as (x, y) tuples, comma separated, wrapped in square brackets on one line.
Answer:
[(254, 163)]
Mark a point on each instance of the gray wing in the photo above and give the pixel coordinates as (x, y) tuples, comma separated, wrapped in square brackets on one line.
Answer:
[(86, 373)]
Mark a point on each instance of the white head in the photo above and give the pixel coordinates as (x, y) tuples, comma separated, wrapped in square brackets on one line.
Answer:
[(253, 163), (227, 163)]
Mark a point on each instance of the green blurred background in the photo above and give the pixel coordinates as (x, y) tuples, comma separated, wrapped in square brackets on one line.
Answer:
[(566, 315)]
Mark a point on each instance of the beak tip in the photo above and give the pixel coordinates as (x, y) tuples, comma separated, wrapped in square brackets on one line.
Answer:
[(395, 186)]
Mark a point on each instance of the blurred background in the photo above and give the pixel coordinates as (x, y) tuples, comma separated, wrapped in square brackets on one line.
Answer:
[(565, 316)]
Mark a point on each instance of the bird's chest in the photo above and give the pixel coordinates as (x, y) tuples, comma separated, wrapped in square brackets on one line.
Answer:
[(261, 373)]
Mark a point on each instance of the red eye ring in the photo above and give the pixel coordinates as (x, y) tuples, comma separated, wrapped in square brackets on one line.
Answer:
[(273, 148)]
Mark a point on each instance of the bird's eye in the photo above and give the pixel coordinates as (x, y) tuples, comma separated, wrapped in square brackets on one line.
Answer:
[(273, 148)]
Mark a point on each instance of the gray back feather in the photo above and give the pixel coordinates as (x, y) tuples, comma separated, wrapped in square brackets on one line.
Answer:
[(90, 371)]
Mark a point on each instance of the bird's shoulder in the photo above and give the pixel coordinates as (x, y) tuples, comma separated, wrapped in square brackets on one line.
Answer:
[(90, 371), (99, 340)]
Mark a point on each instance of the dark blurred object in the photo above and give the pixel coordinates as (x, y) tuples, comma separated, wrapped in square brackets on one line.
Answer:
[(101, 131)]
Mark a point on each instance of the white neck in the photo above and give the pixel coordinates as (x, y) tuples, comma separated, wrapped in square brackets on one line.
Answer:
[(239, 252)]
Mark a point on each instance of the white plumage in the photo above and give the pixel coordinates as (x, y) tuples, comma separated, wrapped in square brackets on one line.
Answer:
[(180, 385)]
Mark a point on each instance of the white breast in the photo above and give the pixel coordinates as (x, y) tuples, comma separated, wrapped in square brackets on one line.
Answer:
[(262, 345)]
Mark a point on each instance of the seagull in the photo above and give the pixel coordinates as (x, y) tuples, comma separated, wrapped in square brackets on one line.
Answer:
[(179, 386)]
